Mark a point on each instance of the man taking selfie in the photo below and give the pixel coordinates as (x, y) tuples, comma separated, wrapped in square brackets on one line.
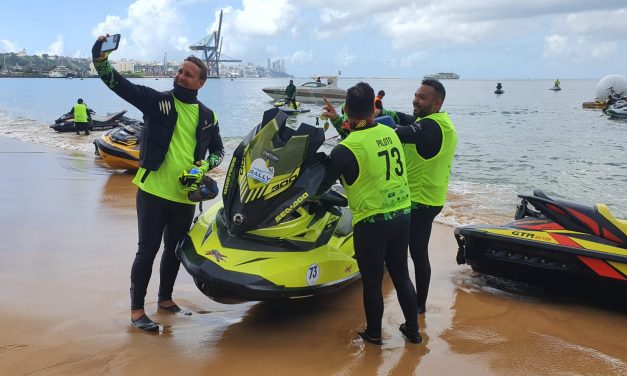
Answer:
[(179, 132)]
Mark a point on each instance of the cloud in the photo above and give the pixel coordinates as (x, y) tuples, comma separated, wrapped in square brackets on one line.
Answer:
[(577, 49), (55, 48), (411, 60), (602, 24), (8, 46), (329, 15), (344, 33), (429, 22), (587, 36), (345, 57), (255, 27), (271, 50), (263, 17), (182, 44), (301, 57), (151, 26)]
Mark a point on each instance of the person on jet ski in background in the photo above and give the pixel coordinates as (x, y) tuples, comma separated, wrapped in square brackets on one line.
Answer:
[(429, 140), (290, 95), (371, 166), (378, 103), (179, 132), (82, 116)]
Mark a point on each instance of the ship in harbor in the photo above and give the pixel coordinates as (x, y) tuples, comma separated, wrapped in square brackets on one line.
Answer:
[(441, 76), (60, 71)]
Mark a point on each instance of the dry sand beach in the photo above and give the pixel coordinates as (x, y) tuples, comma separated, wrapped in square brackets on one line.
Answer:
[(68, 237)]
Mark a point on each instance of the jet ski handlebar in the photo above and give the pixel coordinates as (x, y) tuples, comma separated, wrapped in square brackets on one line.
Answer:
[(333, 198)]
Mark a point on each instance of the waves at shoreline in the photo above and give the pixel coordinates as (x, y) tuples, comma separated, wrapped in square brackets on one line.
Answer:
[(508, 145), (464, 199)]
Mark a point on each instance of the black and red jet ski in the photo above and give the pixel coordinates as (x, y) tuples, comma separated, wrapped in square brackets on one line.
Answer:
[(561, 245)]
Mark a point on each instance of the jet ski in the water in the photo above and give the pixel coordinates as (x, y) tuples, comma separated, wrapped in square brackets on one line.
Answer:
[(561, 245), (119, 147), (617, 109), (270, 238), (286, 106), (65, 123)]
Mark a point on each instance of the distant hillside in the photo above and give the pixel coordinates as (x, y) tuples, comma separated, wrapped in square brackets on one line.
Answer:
[(36, 66)]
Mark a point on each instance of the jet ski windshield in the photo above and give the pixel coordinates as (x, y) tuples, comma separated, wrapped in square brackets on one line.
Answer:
[(272, 172)]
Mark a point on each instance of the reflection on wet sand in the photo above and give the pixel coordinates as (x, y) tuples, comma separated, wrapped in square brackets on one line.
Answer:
[(315, 336), (505, 330), (118, 191)]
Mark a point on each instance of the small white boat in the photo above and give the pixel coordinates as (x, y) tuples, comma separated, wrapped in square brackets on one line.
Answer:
[(441, 76), (312, 90), (60, 71)]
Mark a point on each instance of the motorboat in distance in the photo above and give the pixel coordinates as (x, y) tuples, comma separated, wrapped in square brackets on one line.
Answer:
[(310, 91), (441, 76)]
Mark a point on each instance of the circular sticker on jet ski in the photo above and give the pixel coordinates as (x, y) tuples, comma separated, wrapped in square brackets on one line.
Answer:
[(260, 172), (313, 273)]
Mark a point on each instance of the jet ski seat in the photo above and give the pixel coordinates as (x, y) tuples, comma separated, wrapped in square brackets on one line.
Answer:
[(596, 220)]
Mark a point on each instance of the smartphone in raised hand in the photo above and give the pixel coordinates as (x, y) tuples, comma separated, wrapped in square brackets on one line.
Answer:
[(110, 43)]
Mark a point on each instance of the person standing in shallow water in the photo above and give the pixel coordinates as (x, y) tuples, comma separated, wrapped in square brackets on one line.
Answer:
[(179, 132), (81, 117), (429, 140), (371, 166)]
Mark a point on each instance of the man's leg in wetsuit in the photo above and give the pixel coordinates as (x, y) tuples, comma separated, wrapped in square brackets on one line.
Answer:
[(420, 231), (370, 254)]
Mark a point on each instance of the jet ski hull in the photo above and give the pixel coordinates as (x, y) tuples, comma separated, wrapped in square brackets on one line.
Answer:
[(118, 150), (292, 111), (274, 235), (65, 123), (537, 252), (265, 268)]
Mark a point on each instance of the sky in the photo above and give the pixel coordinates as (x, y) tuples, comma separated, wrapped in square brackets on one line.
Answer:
[(478, 39)]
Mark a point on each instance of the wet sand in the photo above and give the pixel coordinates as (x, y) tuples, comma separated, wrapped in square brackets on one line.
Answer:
[(68, 237)]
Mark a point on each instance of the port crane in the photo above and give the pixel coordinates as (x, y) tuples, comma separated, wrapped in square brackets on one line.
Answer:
[(211, 46)]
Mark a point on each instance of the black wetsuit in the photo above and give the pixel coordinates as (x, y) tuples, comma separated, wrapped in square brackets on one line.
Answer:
[(158, 217), (377, 243), (426, 135), (290, 94)]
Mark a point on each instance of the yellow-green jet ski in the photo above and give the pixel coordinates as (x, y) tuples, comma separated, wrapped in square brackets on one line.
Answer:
[(287, 107), (272, 237)]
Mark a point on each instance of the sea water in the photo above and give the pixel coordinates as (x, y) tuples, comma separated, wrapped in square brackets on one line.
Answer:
[(529, 137)]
